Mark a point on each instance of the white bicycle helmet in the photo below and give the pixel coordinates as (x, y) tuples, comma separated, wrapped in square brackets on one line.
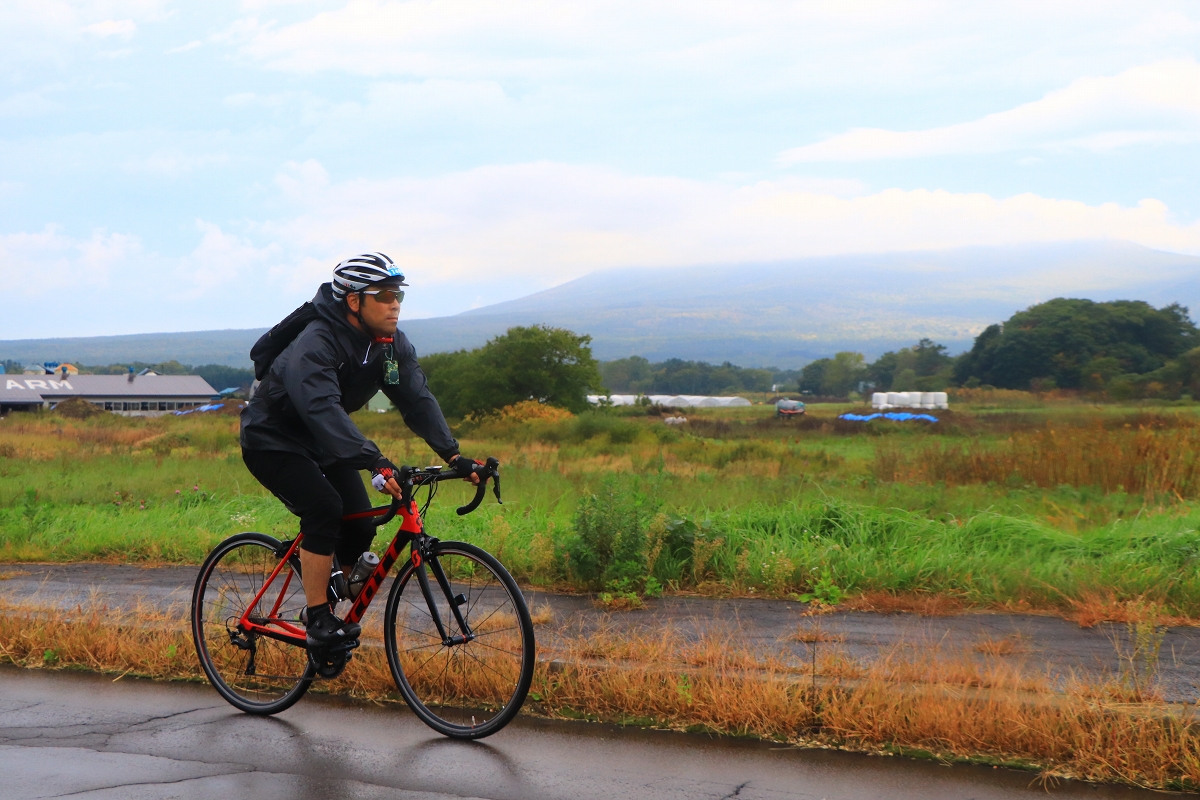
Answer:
[(367, 269)]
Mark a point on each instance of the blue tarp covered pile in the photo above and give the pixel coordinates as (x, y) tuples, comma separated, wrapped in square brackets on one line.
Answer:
[(202, 409), (897, 416)]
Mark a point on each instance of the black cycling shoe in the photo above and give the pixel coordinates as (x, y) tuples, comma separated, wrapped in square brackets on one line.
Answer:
[(326, 630)]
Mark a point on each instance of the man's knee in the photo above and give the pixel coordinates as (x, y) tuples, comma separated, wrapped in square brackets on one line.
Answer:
[(354, 539), (321, 527)]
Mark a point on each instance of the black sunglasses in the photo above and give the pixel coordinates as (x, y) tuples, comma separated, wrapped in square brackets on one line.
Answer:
[(387, 296)]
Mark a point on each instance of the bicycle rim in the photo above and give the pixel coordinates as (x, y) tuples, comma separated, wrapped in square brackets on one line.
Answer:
[(254, 673), (468, 690)]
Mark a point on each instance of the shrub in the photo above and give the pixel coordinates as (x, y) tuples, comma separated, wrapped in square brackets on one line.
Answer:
[(593, 424), (610, 544)]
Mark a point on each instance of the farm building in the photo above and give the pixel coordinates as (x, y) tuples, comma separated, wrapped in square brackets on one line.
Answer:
[(129, 395)]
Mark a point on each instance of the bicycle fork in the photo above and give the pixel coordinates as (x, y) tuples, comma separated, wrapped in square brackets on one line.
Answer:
[(422, 555)]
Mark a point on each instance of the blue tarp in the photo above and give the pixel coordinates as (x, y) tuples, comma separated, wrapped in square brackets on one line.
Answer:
[(210, 407), (898, 416)]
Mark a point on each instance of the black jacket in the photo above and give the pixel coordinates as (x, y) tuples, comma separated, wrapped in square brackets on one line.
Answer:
[(330, 370)]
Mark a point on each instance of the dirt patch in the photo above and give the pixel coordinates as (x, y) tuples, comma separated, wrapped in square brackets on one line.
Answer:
[(77, 408)]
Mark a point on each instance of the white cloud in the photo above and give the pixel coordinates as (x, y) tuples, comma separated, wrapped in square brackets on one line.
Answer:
[(88, 262), (124, 28), (26, 104), (183, 48), (222, 261), (503, 231), (1152, 104), (752, 45), (169, 163), (535, 225)]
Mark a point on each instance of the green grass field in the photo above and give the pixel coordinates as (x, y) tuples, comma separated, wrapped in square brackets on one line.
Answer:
[(1007, 500)]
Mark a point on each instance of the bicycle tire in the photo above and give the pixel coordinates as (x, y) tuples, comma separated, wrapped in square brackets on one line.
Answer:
[(228, 581), (488, 677)]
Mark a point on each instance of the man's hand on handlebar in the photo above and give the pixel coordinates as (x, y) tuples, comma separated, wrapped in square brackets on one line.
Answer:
[(464, 466), (383, 478)]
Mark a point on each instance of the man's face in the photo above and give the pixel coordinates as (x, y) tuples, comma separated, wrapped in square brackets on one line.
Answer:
[(379, 311)]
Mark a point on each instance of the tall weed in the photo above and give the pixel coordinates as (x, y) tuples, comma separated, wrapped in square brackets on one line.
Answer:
[(610, 545), (1142, 460)]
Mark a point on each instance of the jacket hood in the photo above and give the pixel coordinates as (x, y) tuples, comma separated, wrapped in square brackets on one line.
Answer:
[(332, 310)]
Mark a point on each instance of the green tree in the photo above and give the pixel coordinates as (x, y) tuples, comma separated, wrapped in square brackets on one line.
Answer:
[(812, 377), (627, 375), (843, 374), (924, 366), (636, 375), (550, 365), (1058, 342)]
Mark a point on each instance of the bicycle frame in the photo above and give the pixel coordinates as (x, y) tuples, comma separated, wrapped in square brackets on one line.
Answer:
[(411, 533)]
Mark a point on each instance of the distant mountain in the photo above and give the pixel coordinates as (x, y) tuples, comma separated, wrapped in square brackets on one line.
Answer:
[(782, 314), (786, 314), (230, 347)]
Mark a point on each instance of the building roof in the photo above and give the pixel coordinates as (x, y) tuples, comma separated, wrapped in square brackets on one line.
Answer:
[(52, 388), (10, 396)]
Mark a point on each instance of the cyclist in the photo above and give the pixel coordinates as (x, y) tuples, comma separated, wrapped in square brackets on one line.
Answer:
[(297, 436)]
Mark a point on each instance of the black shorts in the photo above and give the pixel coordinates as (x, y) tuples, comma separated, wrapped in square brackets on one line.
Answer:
[(319, 498)]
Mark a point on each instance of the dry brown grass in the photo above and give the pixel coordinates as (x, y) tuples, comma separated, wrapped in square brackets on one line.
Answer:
[(915, 697), (1146, 460), (927, 605), (542, 614), (1004, 646), (1097, 607), (814, 634)]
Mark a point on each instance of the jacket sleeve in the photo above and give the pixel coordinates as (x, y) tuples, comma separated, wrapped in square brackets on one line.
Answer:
[(416, 403), (311, 382)]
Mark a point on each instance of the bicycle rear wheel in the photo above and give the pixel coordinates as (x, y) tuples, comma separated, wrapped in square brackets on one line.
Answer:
[(475, 688), (253, 672)]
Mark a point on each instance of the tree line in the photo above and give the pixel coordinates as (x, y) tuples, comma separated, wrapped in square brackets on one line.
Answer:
[(637, 375), (1123, 349)]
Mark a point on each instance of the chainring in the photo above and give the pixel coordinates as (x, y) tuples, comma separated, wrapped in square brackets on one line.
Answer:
[(329, 662)]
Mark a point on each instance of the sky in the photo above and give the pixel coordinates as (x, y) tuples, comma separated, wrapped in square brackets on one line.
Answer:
[(171, 166)]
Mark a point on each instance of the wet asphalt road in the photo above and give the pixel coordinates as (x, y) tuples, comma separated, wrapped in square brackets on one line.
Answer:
[(1044, 645), (85, 736)]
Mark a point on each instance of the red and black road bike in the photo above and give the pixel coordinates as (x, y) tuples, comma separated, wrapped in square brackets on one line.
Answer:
[(460, 643)]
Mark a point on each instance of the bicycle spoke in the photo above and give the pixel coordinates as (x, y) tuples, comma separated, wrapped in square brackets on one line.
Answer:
[(242, 568), (485, 619), (497, 649), (426, 661), (475, 687)]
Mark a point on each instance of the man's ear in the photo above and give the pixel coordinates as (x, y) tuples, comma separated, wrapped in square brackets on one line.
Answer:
[(352, 301)]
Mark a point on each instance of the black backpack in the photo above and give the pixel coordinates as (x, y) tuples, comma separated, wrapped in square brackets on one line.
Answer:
[(275, 341)]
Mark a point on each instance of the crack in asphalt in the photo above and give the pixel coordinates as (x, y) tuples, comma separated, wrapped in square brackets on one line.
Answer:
[(22, 708), (142, 783), (148, 720), (736, 791)]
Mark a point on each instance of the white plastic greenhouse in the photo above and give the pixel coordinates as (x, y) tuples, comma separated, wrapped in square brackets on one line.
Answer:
[(676, 400)]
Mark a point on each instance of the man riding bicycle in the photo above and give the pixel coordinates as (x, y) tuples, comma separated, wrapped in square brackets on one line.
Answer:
[(297, 436)]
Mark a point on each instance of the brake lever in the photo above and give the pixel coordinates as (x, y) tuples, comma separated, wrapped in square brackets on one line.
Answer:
[(491, 470)]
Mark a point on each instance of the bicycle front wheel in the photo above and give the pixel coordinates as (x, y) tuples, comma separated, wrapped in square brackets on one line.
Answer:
[(464, 689), (252, 671)]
